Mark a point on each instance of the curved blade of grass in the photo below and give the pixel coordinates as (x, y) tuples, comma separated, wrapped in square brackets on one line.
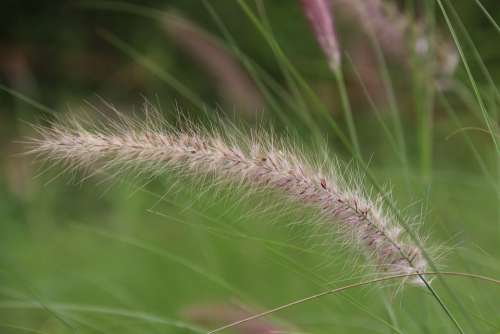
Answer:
[(375, 109), (320, 281), (424, 95), (465, 135), (56, 315), (293, 265), (104, 310), (484, 70), (230, 235), (470, 76), (22, 328), (302, 107), (475, 52), (397, 124), (164, 254), (488, 15), (124, 7), (26, 99), (153, 67), (346, 106)]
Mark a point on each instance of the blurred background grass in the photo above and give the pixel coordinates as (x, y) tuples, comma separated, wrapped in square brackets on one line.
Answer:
[(86, 252)]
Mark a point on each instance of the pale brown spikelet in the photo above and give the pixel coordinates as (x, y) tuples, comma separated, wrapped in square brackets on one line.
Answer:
[(261, 164), (319, 17)]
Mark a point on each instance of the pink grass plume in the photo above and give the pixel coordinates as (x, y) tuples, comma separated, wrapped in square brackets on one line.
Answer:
[(318, 14), (258, 162)]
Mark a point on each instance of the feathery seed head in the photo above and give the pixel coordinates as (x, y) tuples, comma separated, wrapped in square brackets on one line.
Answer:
[(258, 164)]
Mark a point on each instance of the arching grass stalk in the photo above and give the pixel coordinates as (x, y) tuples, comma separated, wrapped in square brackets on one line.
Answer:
[(472, 80), (352, 286)]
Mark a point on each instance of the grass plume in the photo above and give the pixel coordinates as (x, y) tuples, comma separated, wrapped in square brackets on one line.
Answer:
[(321, 21), (153, 148)]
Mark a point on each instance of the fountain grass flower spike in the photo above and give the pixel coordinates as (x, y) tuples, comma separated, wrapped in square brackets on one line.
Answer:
[(318, 14), (263, 165)]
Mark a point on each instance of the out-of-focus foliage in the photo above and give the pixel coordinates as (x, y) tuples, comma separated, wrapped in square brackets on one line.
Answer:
[(106, 256)]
